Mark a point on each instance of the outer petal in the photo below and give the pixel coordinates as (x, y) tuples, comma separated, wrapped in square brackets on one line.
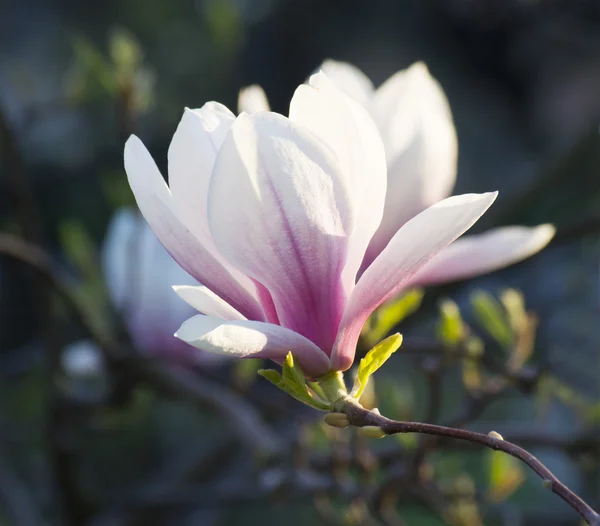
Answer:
[(154, 200), (474, 255), (253, 99), (415, 244), (415, 122), (251, 339), (206, 302), (347, 128), (280, 210), (349, 79)]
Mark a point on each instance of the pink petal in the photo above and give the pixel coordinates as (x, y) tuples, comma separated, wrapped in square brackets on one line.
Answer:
[(413, 246), (474, 255), (280, 210), (345, 126), (155, 202), (252, 339)]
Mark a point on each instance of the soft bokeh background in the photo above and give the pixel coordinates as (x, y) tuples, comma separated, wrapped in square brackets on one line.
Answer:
[(76, 78)]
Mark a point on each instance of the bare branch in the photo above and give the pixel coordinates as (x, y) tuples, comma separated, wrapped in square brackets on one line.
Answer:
[(361, 417)]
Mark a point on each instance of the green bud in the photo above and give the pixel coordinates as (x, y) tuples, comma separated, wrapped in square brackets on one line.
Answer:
[(337, 420), (372, 432)]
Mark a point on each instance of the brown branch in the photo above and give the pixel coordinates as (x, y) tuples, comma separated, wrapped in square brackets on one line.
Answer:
[(360, 417)]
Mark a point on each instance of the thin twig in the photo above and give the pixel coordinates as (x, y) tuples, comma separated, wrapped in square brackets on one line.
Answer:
[(360, 417)]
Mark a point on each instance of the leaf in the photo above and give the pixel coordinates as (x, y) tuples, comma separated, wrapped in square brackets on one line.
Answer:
[(492, 318), (94, 68), (292, 372), (244, 372), (374, 359), (288, 383), (125, 51), (450, 328), (523, 325), (471, 375), (318, 390), (506, 475), (390, 314), (514, 303), (79, 248)]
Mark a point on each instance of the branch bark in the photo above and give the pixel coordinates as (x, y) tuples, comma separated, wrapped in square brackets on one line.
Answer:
[(361, 417)]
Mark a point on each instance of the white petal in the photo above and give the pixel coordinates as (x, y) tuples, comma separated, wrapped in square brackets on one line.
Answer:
[(154, 200), (415, 244), (415, 122), (474, 255), (252, 99), (347, 128), (280, 211), (207, 302), (251, 339), (192, 155), (349, 79)]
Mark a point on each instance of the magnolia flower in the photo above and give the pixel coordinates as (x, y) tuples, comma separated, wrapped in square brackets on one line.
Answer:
[(140, 274), (414, 120), (273, 216)]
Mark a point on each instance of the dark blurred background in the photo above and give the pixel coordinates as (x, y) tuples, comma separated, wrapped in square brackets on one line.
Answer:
[(523, 81)]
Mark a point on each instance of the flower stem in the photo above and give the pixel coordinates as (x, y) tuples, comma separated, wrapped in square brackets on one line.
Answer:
[(333, 386)]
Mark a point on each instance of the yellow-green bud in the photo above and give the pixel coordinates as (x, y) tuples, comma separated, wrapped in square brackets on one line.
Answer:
[(337, 420), (372, 432)]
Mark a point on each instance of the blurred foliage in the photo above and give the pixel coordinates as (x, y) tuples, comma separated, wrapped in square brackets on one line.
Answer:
[(122, 74), (389, 315)]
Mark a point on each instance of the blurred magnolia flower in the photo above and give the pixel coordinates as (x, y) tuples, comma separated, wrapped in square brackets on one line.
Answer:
[(82, 359), (84, 372), (415, 123), (140, 274), (273, 216)]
